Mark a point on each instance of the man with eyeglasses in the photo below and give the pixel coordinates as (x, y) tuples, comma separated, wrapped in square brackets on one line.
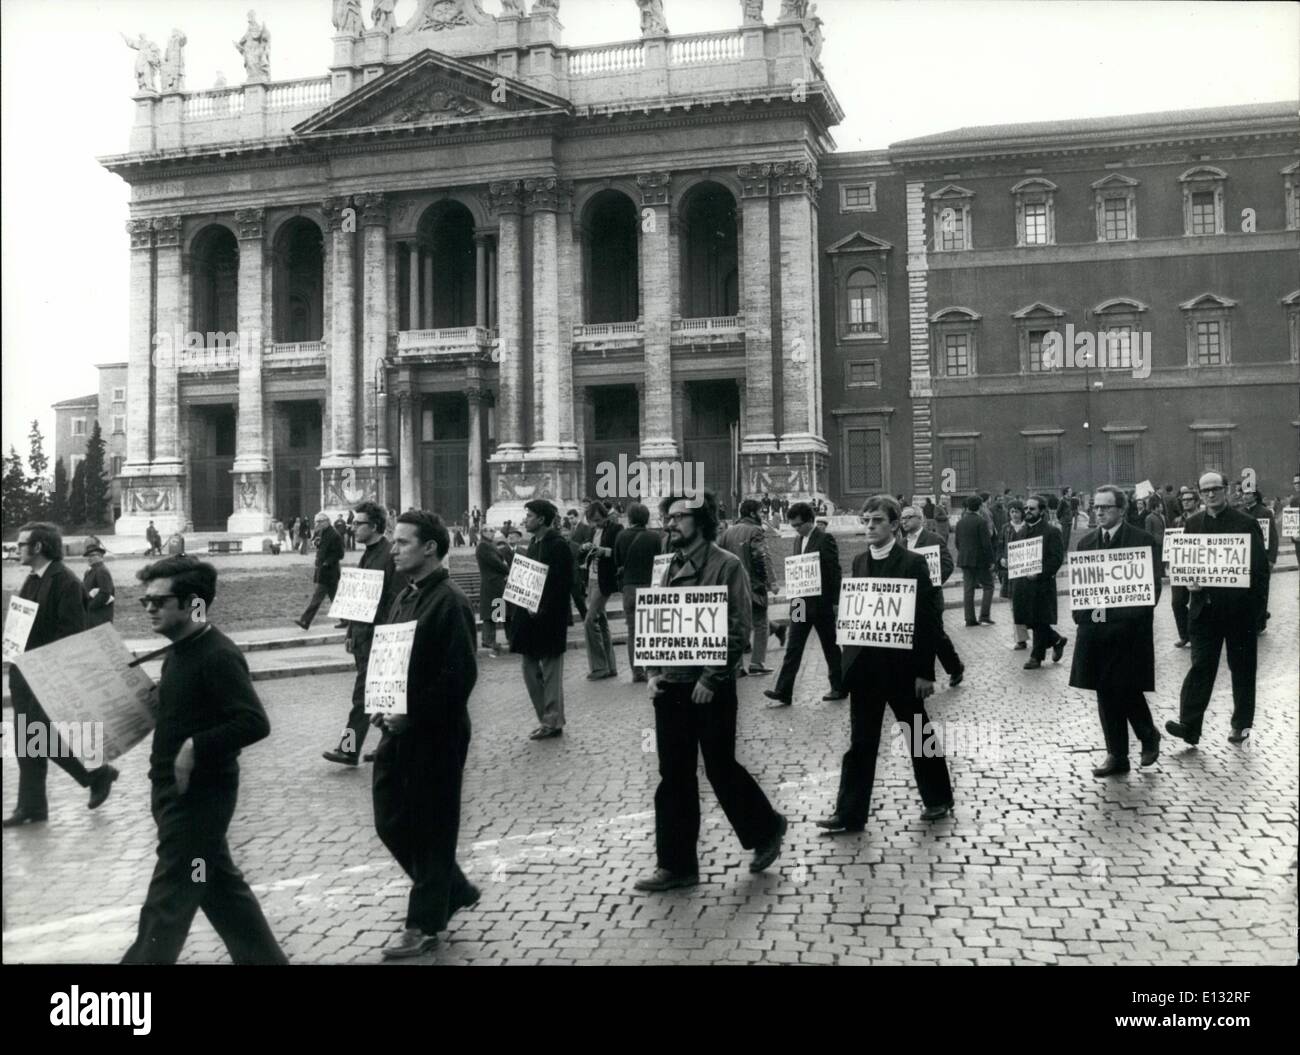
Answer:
[(60, 613), (1179, 596), (208, 711), (1222, 615), (1114, 654), (915, 536), (368, 523)]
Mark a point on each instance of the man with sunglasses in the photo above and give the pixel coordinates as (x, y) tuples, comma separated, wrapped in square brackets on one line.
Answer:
[(1219, 615)]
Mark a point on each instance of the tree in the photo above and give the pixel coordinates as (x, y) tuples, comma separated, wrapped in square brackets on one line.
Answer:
[(15, 502), (37, 484), (59, 500), (96, 486), (77, 497), (36, 459)]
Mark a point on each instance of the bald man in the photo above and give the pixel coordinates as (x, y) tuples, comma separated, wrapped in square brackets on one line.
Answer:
[(329, 554)]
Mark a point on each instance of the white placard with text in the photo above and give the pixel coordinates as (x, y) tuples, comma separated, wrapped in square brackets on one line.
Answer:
[(876, 613), (525, 583), (680, 626), (390, 662)]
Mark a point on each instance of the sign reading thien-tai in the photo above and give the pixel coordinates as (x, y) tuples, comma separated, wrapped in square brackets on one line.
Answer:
[(390, 660), (524, 586), (680, 626), (877, 613), (1208, 560), (1111, 578)]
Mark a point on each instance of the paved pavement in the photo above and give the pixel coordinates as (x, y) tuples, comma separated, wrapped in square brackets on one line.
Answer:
[(1192, 861)]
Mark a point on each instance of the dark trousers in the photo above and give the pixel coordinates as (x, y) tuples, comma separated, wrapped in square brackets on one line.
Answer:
[(683, 730), (1178, 601), (579, 595), (821, 616), (323, 590), (1211, 630), (1264, 612), (1120, 709), (32, 771), (192, 835), (1045, 637), (970, 578), (858, 770), (946, 653), (358, 721), (416, 795), (489, 627)]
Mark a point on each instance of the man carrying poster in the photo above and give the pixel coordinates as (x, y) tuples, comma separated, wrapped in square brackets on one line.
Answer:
[(420, 761), (938, 557), (1219, 616), (880, 676), (1256, 507), (1114, 654), (1033, 597), (695, 713), (60, 613), (369, 521), (539, 630), (207, 712)]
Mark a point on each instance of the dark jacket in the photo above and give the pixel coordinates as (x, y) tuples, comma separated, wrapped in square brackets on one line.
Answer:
[(634, 555), (890, 669), (492, 572), (746, 540), (376, 557), (974, 541), (546, 633), (101, 607), (822, 542), (329, 552), (929, 538), (1120, 652), (60, 613), (1230, 602), (1033, 599), (1261, 512), (443, 669), (605, 567)]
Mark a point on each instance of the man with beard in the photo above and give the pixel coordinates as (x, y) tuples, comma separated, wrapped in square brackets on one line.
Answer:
[(634, 554), (1115, 651), (1219, 616), (1033, 597), (695, 713), (492, 572)]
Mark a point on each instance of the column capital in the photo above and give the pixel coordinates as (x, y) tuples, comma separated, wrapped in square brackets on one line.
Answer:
[(797, 177), (474, 395), (505, 196), (547, 194), (374, 208), (141, 232), (250, 223), (654, 187), (167, 231), (754, 180), (338, 211)]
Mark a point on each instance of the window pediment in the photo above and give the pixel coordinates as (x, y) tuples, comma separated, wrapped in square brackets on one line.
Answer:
[(1034, 185), (1115, 181), (860, 242), (1207, 300), (1038, 309), (1202, 173), (1119, 306), (951, 191), (955, 314)]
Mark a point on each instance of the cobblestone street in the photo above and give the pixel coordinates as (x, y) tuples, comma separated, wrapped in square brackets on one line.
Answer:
[(1192, 861)]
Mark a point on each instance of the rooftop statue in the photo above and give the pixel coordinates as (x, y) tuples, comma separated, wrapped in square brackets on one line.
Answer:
[(512, 8), (814, 26), (173, 67), (553, 6), (653, 23), (751, 12), (793, 9), (347, 18), (148, 60), (382, 16), (255, 47)]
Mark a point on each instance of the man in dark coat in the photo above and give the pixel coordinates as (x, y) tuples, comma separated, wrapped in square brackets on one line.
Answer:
[(1033, 597), (329, 553), (60, 613), (899, 679), (602, 582), (975, 558), (542, 637), (634, 555), (492, 572), (98, 585), (1114, 651), (1256, 507), (155, 541), (420, 762), (747, 540), (818, 612), (913, 537), (369, 521), (1222, 615)]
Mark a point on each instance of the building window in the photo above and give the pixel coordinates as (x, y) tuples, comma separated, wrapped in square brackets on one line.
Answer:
[(1114, 220), (78, 426), (1043, 459), (1209, 329), (859, 263), (1115, 199), (1035, 219), (858, 197), (1119, 331), (1035, 339), (952, 221), (119, 394), (955, 342), (960, 458), (426, 425), (1213, 452), (1203, 200), (1291, 185), (862, 373), (119, 424), (117, 464), (1033, 324), (956, 355), (1291, 305), (863, 299), (1123, 462), (866, 464)]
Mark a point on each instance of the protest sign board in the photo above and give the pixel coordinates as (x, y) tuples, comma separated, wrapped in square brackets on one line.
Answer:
[(18, 626), (661, 565), (1111, 578), (931, 555), (1291, 523), (359, 593), (390, 660), (803, 575), (1208, 560), (1024, 557), (877, 613), (680, 626), (524, 585)]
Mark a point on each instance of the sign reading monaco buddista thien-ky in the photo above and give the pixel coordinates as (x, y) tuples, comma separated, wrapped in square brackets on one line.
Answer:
[(1024, 557), (803, 575), (1208, 560), (876, 613), (680, 626), (525, 582), (1111, 578), (358, 596)]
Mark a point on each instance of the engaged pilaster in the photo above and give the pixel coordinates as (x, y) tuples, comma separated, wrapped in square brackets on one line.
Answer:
[(252, 468)]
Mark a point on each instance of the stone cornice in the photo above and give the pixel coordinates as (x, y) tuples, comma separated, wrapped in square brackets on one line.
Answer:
[(547, 194), (336, 211), (506, 196), (755, 180)]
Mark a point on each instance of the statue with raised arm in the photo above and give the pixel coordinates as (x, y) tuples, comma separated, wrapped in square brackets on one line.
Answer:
[(148, 61), (814, 26), (751, 12), (653, 23), (512, 9), (347, 18), (173, 64), (382, 16), (255, 47)]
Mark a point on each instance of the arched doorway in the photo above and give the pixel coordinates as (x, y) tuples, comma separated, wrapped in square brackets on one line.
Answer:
[(214, 282), (443, 270), (610, 223), (710, 279), (298, 282)]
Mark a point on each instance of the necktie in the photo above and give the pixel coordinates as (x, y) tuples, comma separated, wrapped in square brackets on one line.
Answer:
[(1105, 537)]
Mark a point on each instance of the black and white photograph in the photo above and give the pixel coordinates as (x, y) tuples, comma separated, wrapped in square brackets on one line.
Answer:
[(889, 410)]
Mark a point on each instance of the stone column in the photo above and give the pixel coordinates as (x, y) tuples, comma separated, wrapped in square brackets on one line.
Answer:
[(474, 397), (759, 434), (413, 286), (656, 310), (408, 453), (374, 322), (543, 202), (426, 322), (252, 468), (341, 447), (167, 319), (507, 203), (140, 349), (480, 280), (492, 284), (570, 305)]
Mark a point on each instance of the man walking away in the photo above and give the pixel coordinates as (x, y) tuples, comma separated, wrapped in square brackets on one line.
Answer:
[(975, 558), (634, 555), (747, 540), (914, 537), (329, 552), (1033, 597), (492, 572)]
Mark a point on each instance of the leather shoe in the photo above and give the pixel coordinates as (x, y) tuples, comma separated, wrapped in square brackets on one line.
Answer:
[(836, 823), (1034, 664), (1183, 732), (662, 879), (20, 817), (1150, 754), (640, 677), (987, 622), (758, 668), (834, 696), (468, 898), (769, 851), (101, 783), (544, 733), (1058, 649), (341, 757), (1239, 736), (1182, 642), (411, 942), (369, 756), (969, 623), (1111, 767), (772, 694), (299, 623), (602, 675), (955, 680), (936, 813), (342, 624), (1021, 646)]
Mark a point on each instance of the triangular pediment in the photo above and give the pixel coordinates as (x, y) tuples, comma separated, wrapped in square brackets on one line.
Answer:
[(432, 89), (860, 242)]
